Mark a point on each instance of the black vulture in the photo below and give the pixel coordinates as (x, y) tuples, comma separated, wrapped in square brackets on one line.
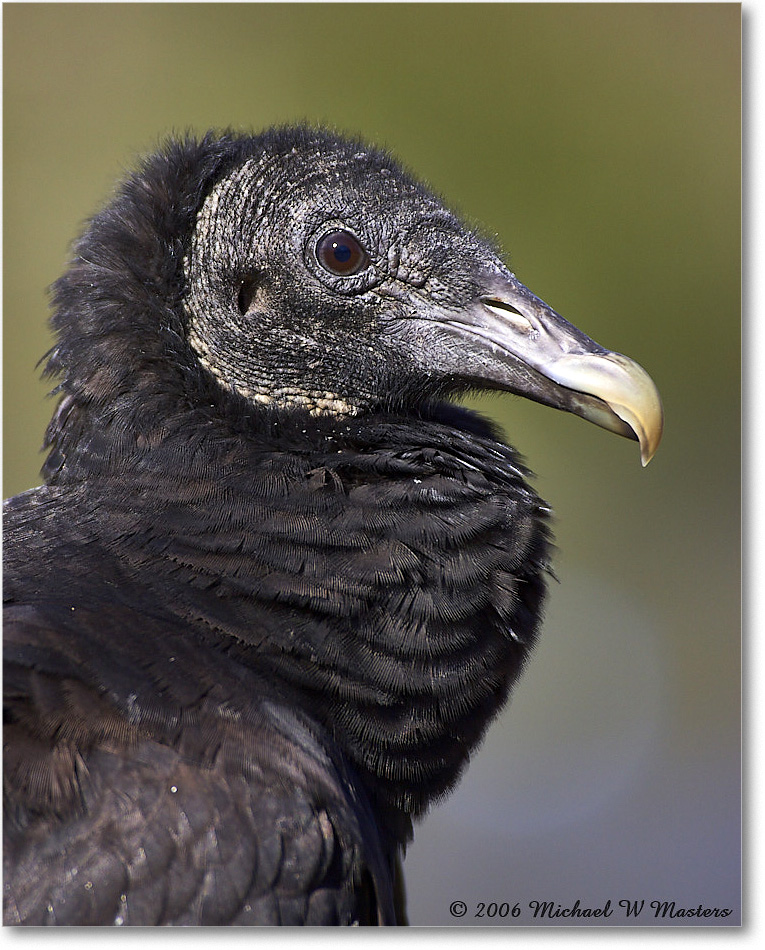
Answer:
[(277, 582)]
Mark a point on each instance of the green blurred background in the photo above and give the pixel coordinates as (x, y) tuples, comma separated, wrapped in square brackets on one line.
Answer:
[(602, 144)]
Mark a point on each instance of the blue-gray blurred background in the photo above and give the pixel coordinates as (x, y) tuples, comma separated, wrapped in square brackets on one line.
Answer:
[(602, 144)]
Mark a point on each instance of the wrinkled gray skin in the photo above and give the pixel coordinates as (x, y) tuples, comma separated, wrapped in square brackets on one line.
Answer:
[(381, 314)]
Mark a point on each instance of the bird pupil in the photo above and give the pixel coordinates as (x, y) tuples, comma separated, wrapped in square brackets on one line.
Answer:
[(342, 253)]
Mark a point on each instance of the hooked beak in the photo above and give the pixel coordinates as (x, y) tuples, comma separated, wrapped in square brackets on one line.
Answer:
[(538, 354)]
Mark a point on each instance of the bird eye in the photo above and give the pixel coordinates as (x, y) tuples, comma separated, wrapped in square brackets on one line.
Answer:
[(341, 254)]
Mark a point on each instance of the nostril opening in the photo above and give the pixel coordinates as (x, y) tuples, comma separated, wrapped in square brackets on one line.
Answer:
[(508, 313), (495, 303)]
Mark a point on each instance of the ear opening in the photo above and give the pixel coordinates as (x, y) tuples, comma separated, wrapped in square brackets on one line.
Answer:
[(246, 294)]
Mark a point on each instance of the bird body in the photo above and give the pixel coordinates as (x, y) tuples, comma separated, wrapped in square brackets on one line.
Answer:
[(335, 567), (276, 585)]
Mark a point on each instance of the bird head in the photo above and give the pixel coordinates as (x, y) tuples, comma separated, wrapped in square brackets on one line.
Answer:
[(300, 269), (321, 274)]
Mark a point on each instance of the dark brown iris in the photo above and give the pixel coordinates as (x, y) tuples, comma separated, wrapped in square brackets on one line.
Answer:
[(341, 254)]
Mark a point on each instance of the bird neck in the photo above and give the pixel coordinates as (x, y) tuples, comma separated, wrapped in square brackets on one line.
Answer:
[(429, 582), (385, 573)]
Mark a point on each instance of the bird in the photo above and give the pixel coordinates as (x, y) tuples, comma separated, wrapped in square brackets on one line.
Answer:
[(278, 581)]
